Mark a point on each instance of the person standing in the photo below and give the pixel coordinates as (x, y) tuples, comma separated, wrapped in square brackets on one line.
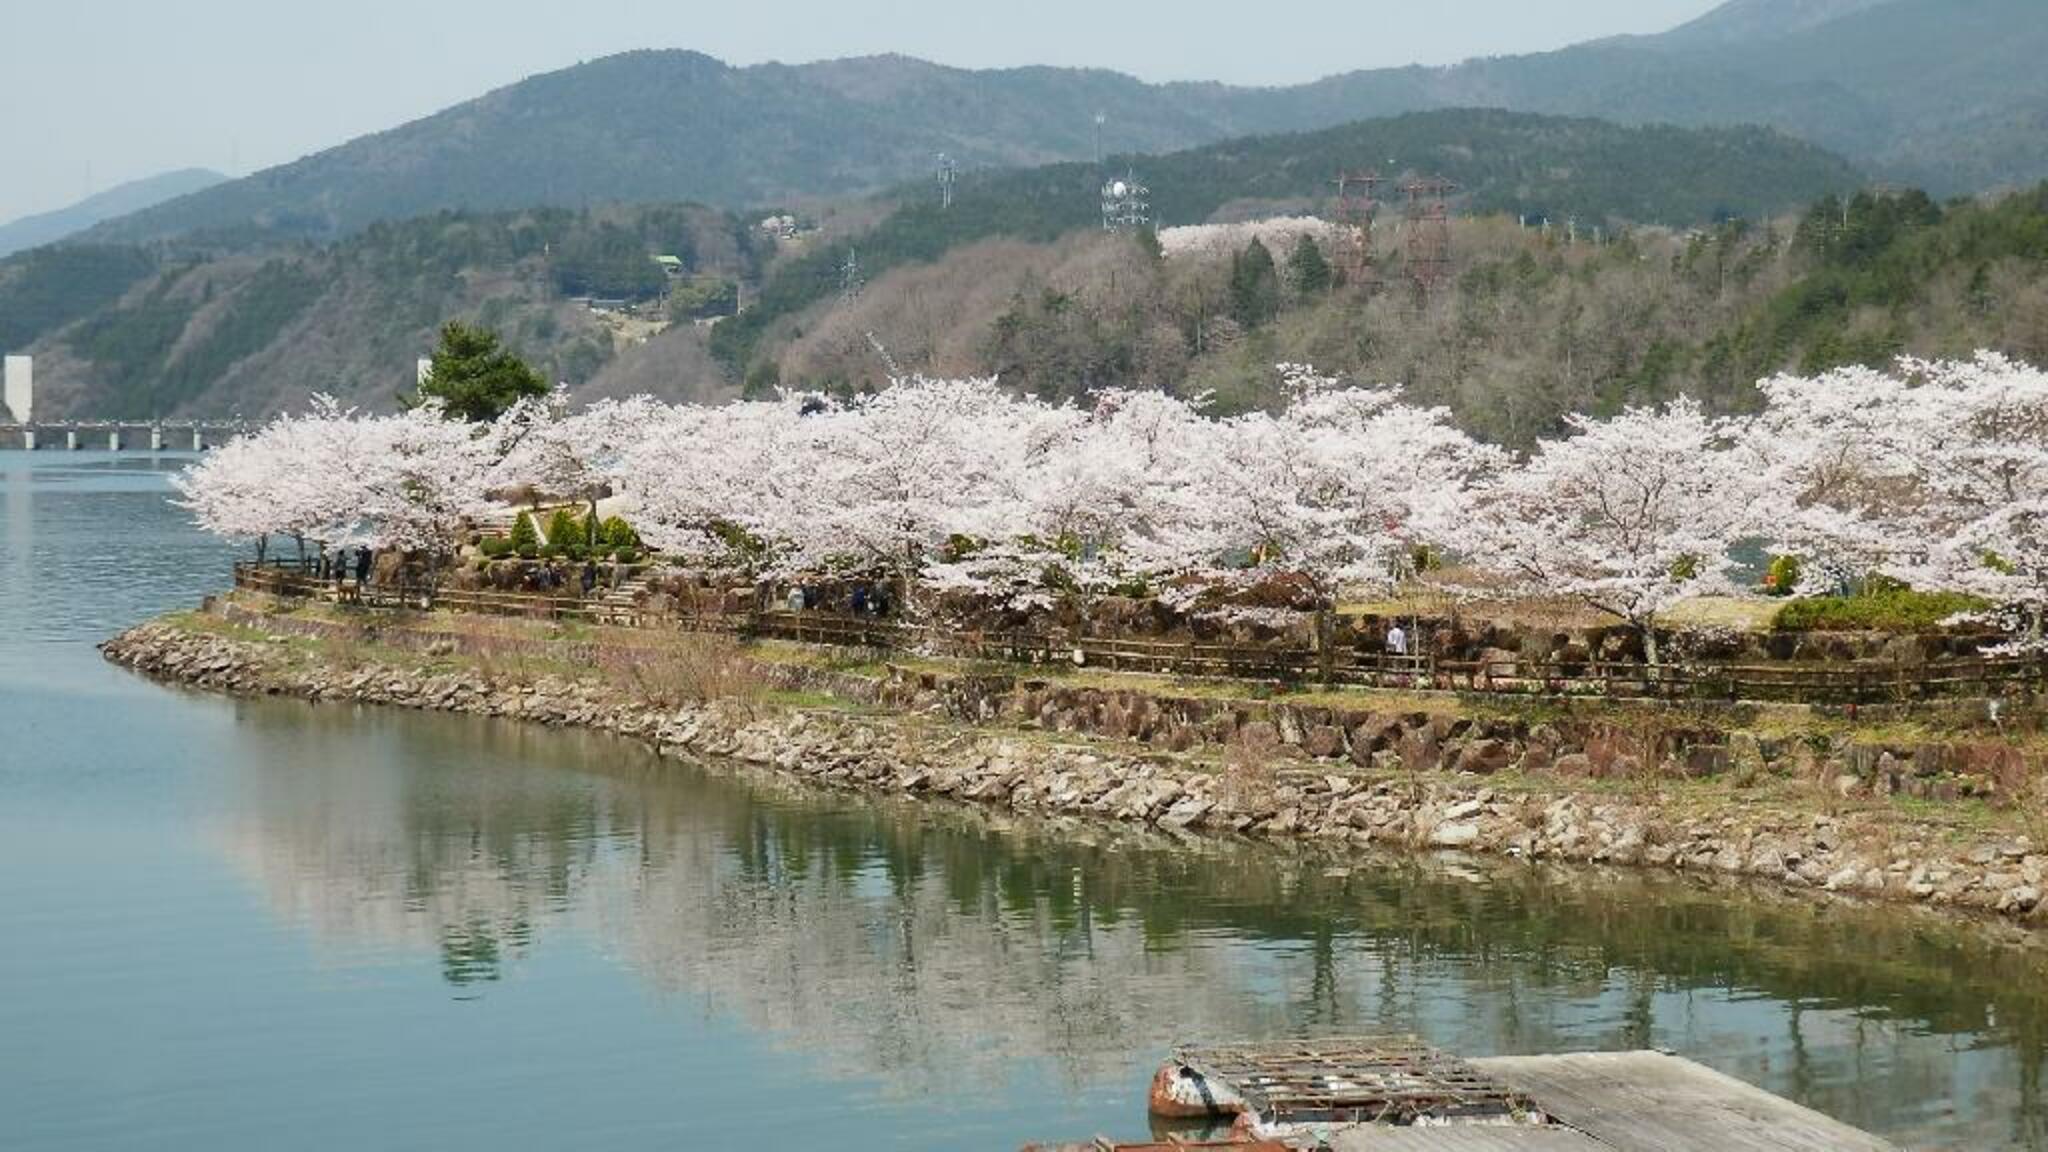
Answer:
[(1397, 642)]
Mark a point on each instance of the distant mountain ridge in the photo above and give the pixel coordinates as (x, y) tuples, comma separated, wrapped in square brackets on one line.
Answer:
[(134, 196), (1742, 20), (188, 327), (1945, 94)]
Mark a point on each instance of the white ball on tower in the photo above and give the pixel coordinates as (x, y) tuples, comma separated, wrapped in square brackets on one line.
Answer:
[(1119, 189)]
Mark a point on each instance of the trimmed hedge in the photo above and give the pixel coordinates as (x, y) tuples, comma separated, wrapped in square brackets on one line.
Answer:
[(1891, 610)]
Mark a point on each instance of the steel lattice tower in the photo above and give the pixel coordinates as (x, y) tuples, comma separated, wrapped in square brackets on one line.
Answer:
[(1357, 206), (1429, 232)]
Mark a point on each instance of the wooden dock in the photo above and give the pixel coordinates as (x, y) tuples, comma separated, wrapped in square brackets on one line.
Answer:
[(1395, 1094), (1650, 1100)]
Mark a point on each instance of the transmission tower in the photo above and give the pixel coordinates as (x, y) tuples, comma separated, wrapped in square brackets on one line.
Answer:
[(1429, 232), (949, 175), (1357, 205), (850, 282), (1126, 204)]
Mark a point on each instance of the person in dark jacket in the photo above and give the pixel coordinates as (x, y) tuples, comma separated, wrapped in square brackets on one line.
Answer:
[(362, 565), (589, 577)]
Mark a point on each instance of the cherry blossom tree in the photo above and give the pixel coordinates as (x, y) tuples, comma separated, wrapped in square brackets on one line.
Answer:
[(1279, 234), (1628, 516), (903, 475), (1834, 460), (1337, 488), (1975, 518), (543, 447)]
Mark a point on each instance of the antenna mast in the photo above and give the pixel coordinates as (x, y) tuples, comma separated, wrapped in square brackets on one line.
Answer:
[(949, 175), (1126, 204)]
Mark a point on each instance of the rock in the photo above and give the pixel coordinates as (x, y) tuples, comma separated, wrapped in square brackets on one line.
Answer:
[(1842, 879), (2017, 901), (1454, 834), (1576, 764), (1186, 812), (1323, 742), (1706, 760), (1466, 810), (1486, 757)]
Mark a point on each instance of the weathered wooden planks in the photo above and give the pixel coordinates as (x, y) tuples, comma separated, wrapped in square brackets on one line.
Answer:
[(1650, 1102), (1465, 1138)]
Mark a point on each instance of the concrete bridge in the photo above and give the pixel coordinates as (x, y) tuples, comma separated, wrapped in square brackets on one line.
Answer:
[(121, 435)]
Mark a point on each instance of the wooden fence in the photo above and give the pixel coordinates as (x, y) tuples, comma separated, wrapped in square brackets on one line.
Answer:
[(1835, 683)]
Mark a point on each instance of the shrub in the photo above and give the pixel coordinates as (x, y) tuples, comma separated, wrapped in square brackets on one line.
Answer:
[(1782, 578), (496, 547), (692, 670), (564, 529), (525, 538), (616, 533), (1885, 610), (626, 555)]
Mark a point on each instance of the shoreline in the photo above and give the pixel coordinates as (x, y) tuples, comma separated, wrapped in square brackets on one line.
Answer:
[(1182, 762)]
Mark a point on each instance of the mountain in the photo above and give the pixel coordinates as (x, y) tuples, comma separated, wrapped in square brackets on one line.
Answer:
[(1740, 21), (667, 126), (195, 326), (1943, 94), (134, 196)]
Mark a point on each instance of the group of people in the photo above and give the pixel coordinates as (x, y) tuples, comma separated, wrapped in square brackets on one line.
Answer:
[(336, 566), (862, 600)]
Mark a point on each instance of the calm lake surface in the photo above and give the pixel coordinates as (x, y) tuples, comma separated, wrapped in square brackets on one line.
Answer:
[(260, 925)]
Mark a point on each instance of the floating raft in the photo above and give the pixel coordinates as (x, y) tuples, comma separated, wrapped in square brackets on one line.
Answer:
[(1396, 1094)]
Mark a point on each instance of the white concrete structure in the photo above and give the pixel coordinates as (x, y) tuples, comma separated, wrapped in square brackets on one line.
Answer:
[(20, 387)]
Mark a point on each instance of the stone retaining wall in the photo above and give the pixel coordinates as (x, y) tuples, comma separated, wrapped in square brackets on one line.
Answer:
[(1408, 781)]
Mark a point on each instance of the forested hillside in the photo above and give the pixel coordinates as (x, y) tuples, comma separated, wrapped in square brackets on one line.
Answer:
[(1531, 325), (1943, 94), (138, 332), (1600, 174)]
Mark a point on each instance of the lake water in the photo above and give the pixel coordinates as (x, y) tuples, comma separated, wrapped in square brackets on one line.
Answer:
[(261, 925)]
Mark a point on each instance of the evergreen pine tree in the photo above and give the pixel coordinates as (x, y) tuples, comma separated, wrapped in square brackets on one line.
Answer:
[(1306, 267), (473, 378), (1254, 287)]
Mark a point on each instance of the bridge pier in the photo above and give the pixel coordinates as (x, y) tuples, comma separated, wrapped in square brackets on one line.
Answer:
[(198, 438), (156, 438), (114, 440), (71, 440), (28, 439)]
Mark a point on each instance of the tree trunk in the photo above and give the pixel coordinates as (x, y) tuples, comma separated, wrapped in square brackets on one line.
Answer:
[(1326, 644), (1649, 628)]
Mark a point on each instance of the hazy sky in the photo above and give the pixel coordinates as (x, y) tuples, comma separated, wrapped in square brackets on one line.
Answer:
[(101, 91)]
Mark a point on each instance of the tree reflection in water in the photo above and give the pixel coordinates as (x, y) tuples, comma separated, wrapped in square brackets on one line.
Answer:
[(944, 948)]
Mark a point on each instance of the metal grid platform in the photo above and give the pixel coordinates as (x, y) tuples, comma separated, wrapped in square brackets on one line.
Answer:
[(1353, 1080)]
